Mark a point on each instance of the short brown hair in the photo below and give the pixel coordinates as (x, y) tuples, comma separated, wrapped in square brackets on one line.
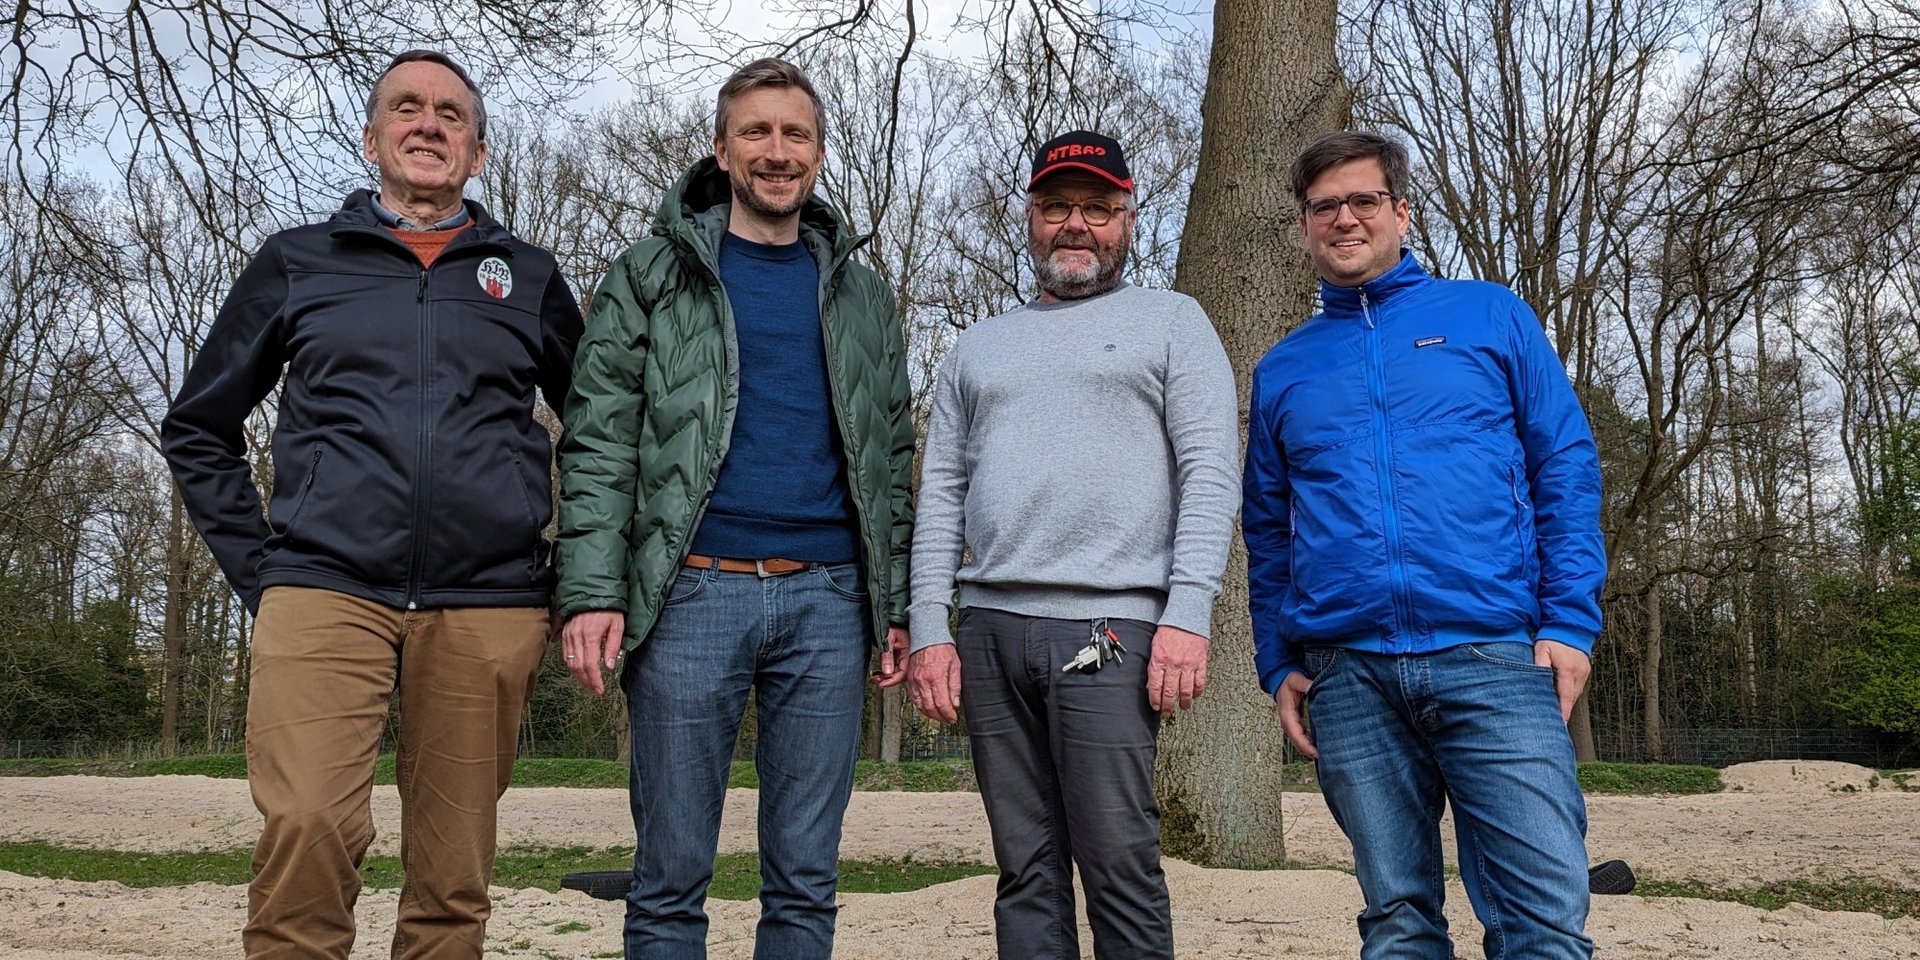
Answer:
[(766, 72), (433, 56), (1338, 148)]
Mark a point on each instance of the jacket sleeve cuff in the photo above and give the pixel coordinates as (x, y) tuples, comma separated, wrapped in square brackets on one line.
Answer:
[(577, 605), (1577, 639), (1189, 609), (927, 626), (1272, 685)]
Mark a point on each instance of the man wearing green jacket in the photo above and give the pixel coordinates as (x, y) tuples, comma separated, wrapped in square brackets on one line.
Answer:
[(735, 476)]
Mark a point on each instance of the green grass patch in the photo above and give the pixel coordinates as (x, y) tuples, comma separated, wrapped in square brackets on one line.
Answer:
[(1907, 780), (736, 875), (35, 859), (1644, 779), (226, 766), (744, 776), (562, 772), (54, 767), (1856, 894), (1300, 777), (916, 776)]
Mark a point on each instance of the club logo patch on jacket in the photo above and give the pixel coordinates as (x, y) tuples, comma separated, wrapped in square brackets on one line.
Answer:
[(496, 278)]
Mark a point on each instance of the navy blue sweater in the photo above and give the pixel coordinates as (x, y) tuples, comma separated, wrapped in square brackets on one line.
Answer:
[(782, 490)]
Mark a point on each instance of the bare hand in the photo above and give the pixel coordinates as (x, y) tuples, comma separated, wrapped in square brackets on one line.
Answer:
[(933, 682), (1177, 671), (1291, 697), (591, 643), (1570, 671), (893, 659)]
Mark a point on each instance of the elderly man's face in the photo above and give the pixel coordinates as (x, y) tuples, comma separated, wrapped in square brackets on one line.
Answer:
[(1075, 259), (424, 136)]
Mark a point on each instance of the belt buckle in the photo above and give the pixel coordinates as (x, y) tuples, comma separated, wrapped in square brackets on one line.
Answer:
[(760, 567)]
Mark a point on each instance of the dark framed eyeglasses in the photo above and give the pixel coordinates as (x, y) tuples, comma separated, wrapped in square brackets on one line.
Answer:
[(1364, 204), (1097, 213)]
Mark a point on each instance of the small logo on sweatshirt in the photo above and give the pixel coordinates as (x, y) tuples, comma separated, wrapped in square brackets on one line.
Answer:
[(1110, 348), (1428, 342), (496, 278)]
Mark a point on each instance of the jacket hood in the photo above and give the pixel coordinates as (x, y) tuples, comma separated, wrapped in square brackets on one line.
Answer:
[(695, 211), (1405, 276)]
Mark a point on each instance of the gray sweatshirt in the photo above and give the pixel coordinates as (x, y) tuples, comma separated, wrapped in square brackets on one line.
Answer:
[(1087, 454)]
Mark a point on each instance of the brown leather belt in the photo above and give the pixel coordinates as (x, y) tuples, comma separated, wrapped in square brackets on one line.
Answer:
[(772, 567)]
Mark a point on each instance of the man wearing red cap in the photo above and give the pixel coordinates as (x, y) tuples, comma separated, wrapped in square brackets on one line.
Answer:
[(1083, 448)]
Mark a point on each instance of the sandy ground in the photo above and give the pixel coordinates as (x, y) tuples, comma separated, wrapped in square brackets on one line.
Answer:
[(1783, 823)]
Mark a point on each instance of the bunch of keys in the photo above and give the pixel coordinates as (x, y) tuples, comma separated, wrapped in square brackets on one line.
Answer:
[(1103, 646)]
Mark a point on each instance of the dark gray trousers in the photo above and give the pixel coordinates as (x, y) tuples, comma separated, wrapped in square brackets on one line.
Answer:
[(1065, 762)]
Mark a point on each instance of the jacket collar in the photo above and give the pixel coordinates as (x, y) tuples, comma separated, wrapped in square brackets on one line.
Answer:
[(1407, 275), (694, 213), (356, 213)]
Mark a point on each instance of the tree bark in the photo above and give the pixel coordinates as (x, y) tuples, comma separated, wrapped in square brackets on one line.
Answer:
[(173, 626), (1650, 681), (890, 724), (1580, 727), (1273, 85)]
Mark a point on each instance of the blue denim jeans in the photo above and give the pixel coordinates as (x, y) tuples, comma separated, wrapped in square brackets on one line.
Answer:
[(1477, 726), (799, 642)]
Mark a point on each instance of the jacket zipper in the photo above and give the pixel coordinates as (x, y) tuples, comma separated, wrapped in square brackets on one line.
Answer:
[(878, 599), (423, 441), (716, 457), (1383, 466), (827, 288), (422, 450)]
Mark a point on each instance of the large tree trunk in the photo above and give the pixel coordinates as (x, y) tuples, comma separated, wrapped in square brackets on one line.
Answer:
[(1272, 86), (1650, 679), (891, 715), (1580, 727), (173, 626)]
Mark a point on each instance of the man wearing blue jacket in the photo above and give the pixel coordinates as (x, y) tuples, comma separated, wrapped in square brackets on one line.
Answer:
[(1421, 510)]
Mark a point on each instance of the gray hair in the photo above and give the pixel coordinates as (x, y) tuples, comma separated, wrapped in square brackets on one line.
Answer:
[(433, 56)]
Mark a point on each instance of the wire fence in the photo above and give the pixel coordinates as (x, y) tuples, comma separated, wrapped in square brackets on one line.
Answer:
[(1725, 746), (1708, 746)]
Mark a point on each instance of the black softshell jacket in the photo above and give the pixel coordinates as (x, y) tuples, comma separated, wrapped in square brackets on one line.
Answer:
[(408, 468)]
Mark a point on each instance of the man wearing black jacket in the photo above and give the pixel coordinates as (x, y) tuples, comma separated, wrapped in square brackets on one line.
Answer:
[(410, 491)]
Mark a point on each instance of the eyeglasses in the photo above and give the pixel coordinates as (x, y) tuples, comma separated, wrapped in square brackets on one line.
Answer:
[(1364, 205), (1097, 213)]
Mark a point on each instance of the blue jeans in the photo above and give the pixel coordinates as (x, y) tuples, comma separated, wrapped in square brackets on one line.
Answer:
[(1477, 726), (799, 642)]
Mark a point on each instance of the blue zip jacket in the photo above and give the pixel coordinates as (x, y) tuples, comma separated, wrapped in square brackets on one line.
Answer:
[(1419, 475)]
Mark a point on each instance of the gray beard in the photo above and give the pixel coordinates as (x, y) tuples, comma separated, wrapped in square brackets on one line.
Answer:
[(1097, 278)]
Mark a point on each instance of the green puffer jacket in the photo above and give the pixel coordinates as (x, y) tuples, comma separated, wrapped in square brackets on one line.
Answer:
[(651, 409)]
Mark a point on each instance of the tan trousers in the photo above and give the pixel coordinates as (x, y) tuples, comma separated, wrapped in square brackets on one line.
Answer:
[(324, 668)]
